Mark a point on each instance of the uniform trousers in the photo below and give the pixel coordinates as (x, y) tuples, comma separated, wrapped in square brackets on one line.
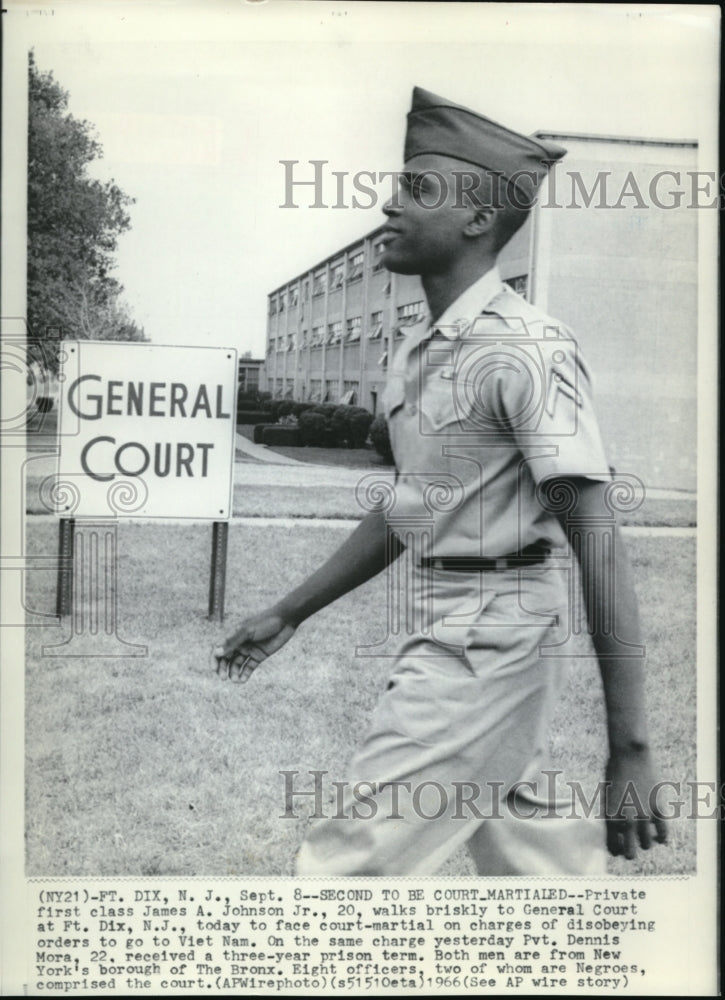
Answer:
[(464, 718)]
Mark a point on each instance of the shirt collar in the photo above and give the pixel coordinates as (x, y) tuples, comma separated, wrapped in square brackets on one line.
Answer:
[(457, 318)]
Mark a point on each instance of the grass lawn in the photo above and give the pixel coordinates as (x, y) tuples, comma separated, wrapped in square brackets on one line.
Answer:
[(258, 500), (255, 500), (152, 765)]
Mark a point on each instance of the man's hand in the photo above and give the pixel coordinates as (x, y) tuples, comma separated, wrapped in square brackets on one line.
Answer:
[(255, 639), (631, 811)]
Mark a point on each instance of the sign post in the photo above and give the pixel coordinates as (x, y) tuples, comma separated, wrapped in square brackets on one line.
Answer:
[(64, 590), (218, 574)]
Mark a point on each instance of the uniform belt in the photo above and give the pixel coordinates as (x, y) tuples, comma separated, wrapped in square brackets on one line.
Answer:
[(532, 555)]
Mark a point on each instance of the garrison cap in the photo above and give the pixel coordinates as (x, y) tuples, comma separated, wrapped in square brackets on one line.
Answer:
[(436, 125)]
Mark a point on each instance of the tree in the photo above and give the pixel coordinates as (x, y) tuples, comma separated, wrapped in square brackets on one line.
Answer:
[(74, 223)]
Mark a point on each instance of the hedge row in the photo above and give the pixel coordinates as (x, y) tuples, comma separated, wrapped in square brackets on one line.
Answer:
[(329, 426), (259, 430), (326, 425), (281, 434), (322, 425)]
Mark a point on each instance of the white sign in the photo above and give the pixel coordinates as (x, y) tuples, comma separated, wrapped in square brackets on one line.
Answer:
[(146, 431)]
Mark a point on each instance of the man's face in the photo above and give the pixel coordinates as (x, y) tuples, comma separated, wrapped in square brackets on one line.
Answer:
[(424, 233)]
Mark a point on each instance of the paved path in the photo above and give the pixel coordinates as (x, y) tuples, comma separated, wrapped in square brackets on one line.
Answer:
[(277, 470), (262, 453)]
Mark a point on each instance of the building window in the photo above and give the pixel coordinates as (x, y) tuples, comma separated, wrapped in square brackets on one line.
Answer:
[(378, 250), (334, 332), (330, 391), (349, 393), (291, 341), (303, 338), (376, 325), (317, 336), (272, 306), (354, 328), (337, 276), (520, 284), (315, 393), (355, 268), (319, 283), (410, 313), (305, 290), (294, 296), (282, 302)]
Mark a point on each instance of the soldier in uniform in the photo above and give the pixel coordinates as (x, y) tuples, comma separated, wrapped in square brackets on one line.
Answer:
[(497, 453)]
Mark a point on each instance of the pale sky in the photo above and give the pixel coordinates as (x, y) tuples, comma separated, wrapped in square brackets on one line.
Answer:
[(196, 104)]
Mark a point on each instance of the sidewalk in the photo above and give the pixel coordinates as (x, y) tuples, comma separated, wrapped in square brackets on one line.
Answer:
[(262, 453), (272, 469)]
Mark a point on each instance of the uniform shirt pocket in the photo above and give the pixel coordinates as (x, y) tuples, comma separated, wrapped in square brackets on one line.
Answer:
[(444, 399)]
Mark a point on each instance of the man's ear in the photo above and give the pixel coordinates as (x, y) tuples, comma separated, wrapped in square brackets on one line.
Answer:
[(483, 222)]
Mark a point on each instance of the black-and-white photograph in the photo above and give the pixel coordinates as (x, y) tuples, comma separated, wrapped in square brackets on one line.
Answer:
[(358, 482)]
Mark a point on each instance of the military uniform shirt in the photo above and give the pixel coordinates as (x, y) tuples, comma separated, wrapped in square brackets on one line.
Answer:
[(483, 408)]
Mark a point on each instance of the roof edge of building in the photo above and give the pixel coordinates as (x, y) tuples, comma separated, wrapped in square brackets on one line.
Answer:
[(625, 140), (336, 253)]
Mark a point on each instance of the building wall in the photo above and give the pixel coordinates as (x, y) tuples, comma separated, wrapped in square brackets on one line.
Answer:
[(623, 279), (251, 375)]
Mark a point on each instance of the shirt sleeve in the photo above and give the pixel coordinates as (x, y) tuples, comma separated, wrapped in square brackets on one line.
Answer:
[(544, 398)]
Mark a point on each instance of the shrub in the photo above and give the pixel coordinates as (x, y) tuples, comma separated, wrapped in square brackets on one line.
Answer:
[(275, 406), (350, 425), (289, 437), (358, 424), (285, 408), (339, 426), (326, 408), (312, 425), (381, 438), (323, 425), (251, 416)]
